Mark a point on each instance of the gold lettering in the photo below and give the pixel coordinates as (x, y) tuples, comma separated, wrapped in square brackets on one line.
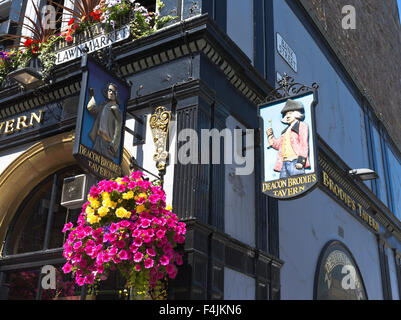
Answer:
[(9, 126), (360, 210), (21, 121), (1, 127), (38, 118), (325, 179)]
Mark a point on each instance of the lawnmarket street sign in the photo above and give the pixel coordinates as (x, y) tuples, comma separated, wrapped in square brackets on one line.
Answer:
[(98, 42)]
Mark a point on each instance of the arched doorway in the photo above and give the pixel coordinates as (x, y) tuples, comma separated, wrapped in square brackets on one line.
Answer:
[(31, 220)]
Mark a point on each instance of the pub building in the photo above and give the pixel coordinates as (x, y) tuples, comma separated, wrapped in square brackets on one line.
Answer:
[(214, 66)]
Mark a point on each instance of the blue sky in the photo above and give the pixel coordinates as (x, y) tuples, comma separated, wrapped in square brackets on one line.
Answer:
[(399, 7)]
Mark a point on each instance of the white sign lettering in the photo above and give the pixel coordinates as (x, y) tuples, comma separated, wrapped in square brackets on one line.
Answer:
[(97, 43), (286, 53)]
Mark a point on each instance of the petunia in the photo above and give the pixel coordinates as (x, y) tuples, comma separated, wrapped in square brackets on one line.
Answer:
[(160, 233), (67, 227), (121, 244), (137, 242), (123, 255), (148, 263), (138, 257), (77, 245), (67, 268), (164, 260), (151, 252)]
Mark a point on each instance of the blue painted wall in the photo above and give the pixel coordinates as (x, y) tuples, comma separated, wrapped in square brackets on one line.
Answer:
[(340, 120)]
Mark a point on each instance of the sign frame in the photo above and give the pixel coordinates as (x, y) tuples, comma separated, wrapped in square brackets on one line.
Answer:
[(329, 248), (97, 164), (312, 140)]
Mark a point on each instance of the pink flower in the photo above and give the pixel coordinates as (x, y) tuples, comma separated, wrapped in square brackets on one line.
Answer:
[(123, 255), (151, 252), (145, 223), (147, 239), (125, 224), (112, 251), (80, 281), (136, 175), (164, 260), (160, 233), (67, 227), (120, 244), (121, 188), (170, 268), (138, 257), (133, 248), (138, 267), (137, 242), (89, 279), (148, 263), (154, 198), (77, 245), (67, 268), (113, 227)]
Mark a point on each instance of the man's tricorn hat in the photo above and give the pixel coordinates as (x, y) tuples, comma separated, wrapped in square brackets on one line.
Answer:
[(292, 105)]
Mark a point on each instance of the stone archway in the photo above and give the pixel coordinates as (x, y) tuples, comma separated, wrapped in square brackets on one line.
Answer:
[(31, 167)]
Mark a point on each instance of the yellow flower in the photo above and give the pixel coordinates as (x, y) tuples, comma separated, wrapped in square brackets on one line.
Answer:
[(140, 208), (95, 204), (105, 196), (92, 218), (122, 213), (128, 195), (169, 207), (143, 195), (89, 210), (103, 211), (118, 180), (109, 204), (91, 199)]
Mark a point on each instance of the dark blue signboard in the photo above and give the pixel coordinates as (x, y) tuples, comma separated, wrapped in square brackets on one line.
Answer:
[(99, 133)]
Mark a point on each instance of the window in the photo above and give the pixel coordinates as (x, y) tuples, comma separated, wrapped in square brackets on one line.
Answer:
[(240, 25), (34, 239), (394, 165), (381, 191), (39, 220)]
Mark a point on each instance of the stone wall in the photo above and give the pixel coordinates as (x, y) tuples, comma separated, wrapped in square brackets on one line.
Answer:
[(371, 52)]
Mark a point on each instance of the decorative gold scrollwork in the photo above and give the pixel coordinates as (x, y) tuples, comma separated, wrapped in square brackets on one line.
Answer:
[(160, 123)]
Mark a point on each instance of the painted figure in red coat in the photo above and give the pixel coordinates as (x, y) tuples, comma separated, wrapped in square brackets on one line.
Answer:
[(292, 146)]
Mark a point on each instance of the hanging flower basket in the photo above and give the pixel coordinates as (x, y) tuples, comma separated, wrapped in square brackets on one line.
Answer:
[(125, 225)]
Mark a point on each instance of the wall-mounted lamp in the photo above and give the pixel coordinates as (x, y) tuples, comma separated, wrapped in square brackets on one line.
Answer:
[(364, 174), (29, 77)]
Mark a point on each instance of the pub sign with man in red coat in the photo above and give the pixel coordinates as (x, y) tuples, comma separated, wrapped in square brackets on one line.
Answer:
[(289, 150)]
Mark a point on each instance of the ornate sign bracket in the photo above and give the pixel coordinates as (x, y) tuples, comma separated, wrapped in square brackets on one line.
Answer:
[(288, 87), (160, 124)]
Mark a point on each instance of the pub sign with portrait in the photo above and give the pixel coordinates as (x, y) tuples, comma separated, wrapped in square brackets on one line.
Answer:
[(99, 136), (289, 156)]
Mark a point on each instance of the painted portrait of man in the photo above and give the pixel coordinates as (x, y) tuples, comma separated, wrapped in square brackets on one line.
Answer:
[(106, 131), (293, 144)]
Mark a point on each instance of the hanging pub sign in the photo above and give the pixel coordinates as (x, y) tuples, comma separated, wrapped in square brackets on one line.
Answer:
[(289, 159), (99, 132)]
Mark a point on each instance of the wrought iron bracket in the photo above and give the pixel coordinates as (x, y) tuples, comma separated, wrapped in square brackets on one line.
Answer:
[(288, 87)]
